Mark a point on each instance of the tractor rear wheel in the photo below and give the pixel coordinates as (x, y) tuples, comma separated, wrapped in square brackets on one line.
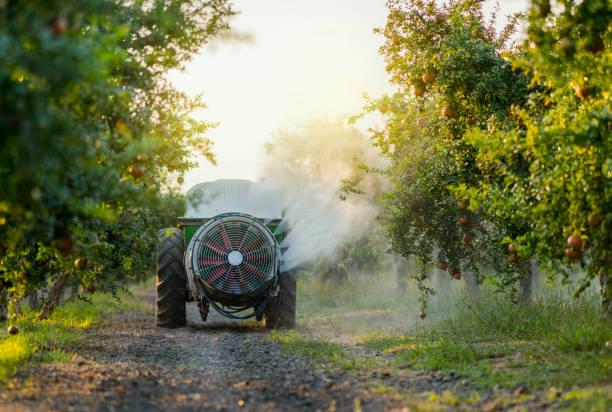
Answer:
[(171, 282), (280, 310)]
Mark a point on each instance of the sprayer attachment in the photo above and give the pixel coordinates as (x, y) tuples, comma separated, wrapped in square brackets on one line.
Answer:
[(234, 256)]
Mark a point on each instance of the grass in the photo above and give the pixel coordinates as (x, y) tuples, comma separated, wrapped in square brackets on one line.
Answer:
[(54, 339), (555, 342), (554, 346)]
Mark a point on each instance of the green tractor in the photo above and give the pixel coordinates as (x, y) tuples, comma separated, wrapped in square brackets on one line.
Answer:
[(227, 255)]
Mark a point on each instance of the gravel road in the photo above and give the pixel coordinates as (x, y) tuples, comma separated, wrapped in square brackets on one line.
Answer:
[(129, 365)]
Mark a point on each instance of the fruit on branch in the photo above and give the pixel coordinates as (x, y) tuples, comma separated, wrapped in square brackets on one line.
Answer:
[(467, 238), (422, 122), (448, 113), (59, 26), (463, 220), (91, 288), (451, 271), (136, 171), (573, 254), (512, 248), (461, 204), (13, 330), (422, 315), (582, 91), (66, 246), (180, 180), (428, 77), (574, 242), (143, 158), (81, 263), (595, 220), (418, 91), (442, 265), (514, 258), (457, 275)]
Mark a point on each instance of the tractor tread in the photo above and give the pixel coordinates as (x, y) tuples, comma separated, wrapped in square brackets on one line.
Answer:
[(171, 282)]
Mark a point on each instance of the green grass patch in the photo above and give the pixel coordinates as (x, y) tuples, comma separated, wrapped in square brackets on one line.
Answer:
[(553, 342), (295, 343), (53, 339)]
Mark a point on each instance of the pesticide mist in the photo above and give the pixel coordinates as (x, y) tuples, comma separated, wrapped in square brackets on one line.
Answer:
[(308, 166)]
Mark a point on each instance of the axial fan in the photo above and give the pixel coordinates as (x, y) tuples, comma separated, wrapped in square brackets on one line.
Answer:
[(234, 256)]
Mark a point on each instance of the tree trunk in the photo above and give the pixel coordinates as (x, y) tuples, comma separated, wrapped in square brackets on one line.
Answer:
[(54, 295), (605, 281), (399, 270), (525, 282), (72, 293), (473, 287), (3, 303), (33, 299)]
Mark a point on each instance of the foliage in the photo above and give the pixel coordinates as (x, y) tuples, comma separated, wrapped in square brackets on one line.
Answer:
[(564, 142), (90, 129), (451, 77)]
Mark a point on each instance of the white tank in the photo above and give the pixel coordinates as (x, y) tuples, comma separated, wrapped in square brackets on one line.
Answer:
[(209, 199)]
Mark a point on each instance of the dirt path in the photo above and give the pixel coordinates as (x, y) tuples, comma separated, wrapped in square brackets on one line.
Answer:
[(128, 364)]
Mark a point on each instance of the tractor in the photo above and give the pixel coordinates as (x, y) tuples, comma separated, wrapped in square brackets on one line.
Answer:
[(226, 253)]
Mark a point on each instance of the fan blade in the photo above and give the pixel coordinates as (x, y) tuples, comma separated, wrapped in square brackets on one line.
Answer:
[(213, 245), (225, 237), (216, 274), (211, 260), (253, 270)]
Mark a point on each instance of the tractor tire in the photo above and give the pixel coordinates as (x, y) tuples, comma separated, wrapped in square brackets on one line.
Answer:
[(280, 310), (170, 311)]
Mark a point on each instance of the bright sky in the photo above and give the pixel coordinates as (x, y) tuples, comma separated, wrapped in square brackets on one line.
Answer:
[(307, 59)]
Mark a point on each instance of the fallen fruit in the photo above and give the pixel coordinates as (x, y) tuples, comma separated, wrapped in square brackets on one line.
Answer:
[(136, 171), (573, 253), (91, 288), (574, 241), (457, 275), (422, 315), (428, 77), (13, 330)]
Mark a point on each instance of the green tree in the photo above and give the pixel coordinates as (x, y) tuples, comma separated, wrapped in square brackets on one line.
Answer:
[(563, 139), (89, 127), (452, 77)]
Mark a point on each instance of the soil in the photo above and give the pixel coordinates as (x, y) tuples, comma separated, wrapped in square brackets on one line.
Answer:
[(128, 364)]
